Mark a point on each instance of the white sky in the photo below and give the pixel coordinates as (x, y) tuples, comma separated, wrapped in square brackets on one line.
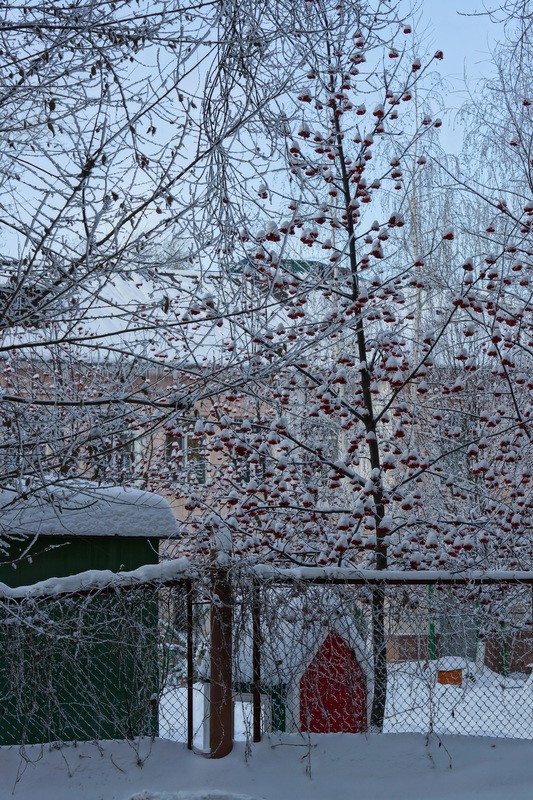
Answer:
[(466, 42)]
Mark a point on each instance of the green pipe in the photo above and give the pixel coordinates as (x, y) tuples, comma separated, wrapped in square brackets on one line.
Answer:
[(503, 653), (432, 641)]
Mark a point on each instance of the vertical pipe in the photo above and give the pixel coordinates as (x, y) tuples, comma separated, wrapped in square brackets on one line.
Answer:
[(256, 662), (503, 652), (432, 642), (221, 686), (190, 666)]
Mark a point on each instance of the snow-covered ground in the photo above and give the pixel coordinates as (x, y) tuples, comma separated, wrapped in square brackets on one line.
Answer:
[(487, 704), (323, 767), (173, 716), (398, 765)]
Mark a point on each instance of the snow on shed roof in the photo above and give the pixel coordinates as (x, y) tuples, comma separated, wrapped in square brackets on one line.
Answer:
[(82, 508), (97, 579)]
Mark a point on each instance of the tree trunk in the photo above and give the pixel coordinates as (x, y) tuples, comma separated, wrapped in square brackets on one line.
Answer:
[(379, 649)]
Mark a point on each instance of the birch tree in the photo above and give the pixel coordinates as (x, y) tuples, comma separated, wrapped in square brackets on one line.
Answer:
[(113, 119)]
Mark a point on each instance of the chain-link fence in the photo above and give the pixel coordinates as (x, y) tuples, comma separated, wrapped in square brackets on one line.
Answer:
[(79, 667), (131, 662), (459, 660)]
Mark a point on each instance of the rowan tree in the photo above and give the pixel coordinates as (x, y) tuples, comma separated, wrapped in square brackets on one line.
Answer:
[(357, 382), (379, 414)]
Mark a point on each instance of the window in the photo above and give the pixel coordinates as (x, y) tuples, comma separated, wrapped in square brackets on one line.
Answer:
[(185, 457), (252, 451), (122, 458), (111, 456)]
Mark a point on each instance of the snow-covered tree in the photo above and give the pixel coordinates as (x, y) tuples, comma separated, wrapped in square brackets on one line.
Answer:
[(321, 369), (360, 427), (112, 118)]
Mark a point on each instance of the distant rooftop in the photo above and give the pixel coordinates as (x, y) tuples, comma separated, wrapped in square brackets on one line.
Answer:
[(296, 266)]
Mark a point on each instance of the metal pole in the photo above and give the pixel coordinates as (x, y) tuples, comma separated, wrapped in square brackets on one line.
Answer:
[(503, 651), (190, 667), (432, 642), (256, 663)]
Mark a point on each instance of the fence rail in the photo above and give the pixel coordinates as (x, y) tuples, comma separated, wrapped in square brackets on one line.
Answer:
[(235, 655)]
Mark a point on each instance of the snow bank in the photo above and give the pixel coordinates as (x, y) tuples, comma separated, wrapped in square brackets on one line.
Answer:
[(201, 795), (319, 767)]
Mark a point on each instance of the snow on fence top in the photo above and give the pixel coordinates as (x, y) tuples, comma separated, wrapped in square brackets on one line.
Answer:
[(82, 508), (95, 580), (269, 572)]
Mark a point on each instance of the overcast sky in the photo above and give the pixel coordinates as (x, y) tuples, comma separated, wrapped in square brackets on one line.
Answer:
[(467, 42)]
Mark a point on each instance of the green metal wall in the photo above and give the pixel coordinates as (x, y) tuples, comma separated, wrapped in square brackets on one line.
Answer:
[(58, 556), (84, 667)]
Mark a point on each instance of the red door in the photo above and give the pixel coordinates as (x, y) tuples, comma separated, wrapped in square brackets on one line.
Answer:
[(333, 690)]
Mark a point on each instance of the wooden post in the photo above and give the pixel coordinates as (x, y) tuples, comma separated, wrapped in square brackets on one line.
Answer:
[(256, 662), (221, 684), (190, 667)]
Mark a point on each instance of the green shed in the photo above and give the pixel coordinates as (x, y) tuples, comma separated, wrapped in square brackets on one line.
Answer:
[(82, 665)]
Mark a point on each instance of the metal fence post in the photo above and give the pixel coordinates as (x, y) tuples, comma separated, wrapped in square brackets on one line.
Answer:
[(256, 662), (190, 666), (432, 639)]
